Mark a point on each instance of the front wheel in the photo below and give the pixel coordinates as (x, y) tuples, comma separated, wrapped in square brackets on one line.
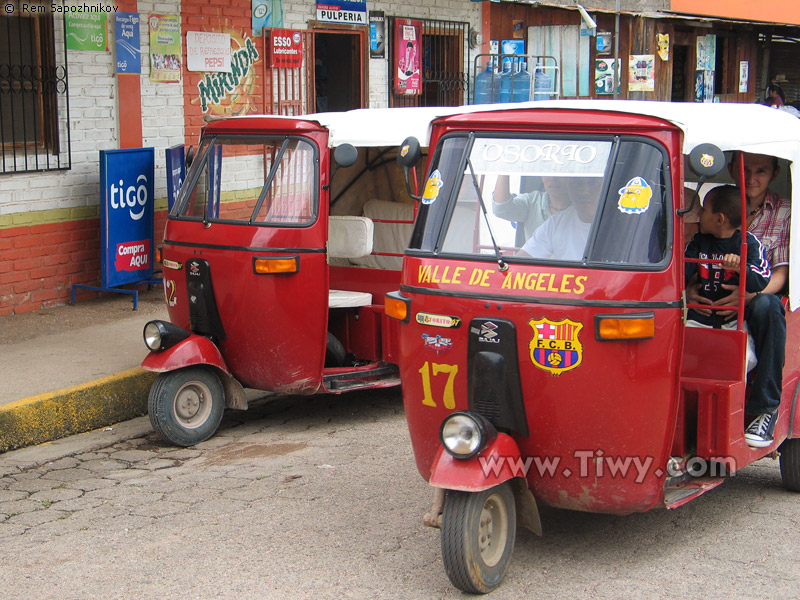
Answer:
[(185, 406), (478, 532), (790, 464)]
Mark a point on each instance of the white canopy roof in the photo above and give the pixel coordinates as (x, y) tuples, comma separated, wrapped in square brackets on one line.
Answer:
[(746, 127)]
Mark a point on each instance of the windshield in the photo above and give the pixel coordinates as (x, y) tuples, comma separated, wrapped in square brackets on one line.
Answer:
[(244, 180), (592, 200)]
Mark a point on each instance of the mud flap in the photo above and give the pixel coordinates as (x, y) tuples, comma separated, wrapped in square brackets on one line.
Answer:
[(527, 510)]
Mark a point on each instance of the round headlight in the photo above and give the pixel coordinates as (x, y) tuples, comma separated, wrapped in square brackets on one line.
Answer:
[(152, 335), (465, 434)]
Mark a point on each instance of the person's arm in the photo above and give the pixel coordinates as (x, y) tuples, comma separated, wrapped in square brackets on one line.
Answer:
[(758, 272), (510, 207), (502, 191)]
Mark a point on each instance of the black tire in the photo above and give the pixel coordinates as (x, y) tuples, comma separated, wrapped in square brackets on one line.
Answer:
[(334, 352), (185, 406), (790, 464), (478, 532)]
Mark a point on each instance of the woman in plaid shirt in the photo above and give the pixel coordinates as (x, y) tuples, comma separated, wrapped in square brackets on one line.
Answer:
[(768, 220)]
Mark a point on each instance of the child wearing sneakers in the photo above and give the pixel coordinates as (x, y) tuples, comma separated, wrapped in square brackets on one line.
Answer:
[(720, 238)]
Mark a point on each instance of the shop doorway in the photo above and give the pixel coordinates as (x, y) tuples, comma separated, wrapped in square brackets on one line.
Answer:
[(682, 75), (339, 70)]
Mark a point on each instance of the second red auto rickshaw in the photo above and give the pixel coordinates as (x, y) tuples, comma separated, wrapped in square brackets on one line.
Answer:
[(285, 236), (552, 363)]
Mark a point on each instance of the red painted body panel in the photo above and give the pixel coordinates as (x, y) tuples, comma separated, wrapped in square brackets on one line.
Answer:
[(275, 325), (194, 350), (621, 400), (476, 474), (605, 429)]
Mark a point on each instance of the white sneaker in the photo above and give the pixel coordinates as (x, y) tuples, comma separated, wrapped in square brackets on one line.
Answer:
[(759, 433)]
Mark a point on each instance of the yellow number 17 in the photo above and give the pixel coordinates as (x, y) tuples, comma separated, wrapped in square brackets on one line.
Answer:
[(448, 397)]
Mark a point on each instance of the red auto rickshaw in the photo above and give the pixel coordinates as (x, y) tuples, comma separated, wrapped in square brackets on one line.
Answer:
[(556, 367), (284, 238)]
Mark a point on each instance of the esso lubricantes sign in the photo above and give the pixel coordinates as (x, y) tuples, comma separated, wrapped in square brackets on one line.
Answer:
[(131, 197), (286, 49), (126, 214)]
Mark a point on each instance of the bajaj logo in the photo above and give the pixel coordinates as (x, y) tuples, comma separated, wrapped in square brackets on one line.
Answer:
[(555, 346)]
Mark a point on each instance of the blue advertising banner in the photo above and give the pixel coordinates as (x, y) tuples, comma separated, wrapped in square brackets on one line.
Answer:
[(214, 182), (126, 215), (127, 43), (176, 172)]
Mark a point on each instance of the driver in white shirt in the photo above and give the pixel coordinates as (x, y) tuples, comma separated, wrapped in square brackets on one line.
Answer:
[(563, 236)]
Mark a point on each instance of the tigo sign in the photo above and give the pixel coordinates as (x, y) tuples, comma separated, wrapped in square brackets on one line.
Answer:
[(126, 215)]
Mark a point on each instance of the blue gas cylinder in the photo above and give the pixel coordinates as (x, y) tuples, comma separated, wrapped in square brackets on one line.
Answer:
[(541, 85), (521, 85)]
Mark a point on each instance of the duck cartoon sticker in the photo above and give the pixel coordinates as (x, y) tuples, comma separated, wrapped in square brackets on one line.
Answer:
[(432, 186), (634, 198)]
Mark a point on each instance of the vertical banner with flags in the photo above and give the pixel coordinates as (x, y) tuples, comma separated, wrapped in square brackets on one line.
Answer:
[(176, 172), (407, 53)]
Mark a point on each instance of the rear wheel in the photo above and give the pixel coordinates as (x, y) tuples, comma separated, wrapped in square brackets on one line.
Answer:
[(185, 406), (790, 464), (478, 532)]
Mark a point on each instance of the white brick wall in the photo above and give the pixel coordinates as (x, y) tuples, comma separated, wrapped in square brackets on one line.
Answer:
[(93, 109), (297, 14), (94, 126)]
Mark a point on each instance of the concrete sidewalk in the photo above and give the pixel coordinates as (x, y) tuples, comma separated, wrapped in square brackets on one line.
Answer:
[(71, 369)]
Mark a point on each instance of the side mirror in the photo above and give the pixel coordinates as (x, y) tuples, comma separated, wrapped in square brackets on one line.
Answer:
[(189, 156), (345, 155), (407, 157), (706, 160)]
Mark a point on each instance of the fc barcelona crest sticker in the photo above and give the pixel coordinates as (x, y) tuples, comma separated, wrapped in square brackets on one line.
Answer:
[(555, 346)]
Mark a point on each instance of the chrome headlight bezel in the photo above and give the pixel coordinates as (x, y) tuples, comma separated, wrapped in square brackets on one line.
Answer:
[(464, 434), (153, 334), (160, 335)]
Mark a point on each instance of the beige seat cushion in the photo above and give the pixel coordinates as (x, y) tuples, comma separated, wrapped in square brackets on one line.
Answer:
[(389, 237), (350, 237), (348, 299)]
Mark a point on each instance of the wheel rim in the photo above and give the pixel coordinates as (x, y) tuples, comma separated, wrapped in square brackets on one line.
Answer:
[(192, 405), (493, 530)]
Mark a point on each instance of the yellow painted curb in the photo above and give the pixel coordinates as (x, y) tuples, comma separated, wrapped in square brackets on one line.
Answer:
[(88, 406)]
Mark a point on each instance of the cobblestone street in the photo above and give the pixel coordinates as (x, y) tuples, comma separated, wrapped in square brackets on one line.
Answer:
[(320, 498)]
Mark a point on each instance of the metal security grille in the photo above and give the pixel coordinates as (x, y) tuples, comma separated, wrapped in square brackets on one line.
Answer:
[(445, 64), (34, 103)]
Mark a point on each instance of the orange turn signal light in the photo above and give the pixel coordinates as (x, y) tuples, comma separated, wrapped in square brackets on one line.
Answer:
[(397, 306), (159, 258), (638, 326), (274, 265)]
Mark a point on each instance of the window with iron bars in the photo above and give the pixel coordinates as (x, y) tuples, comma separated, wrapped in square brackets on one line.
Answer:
[(445, 64), (34, 100)]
